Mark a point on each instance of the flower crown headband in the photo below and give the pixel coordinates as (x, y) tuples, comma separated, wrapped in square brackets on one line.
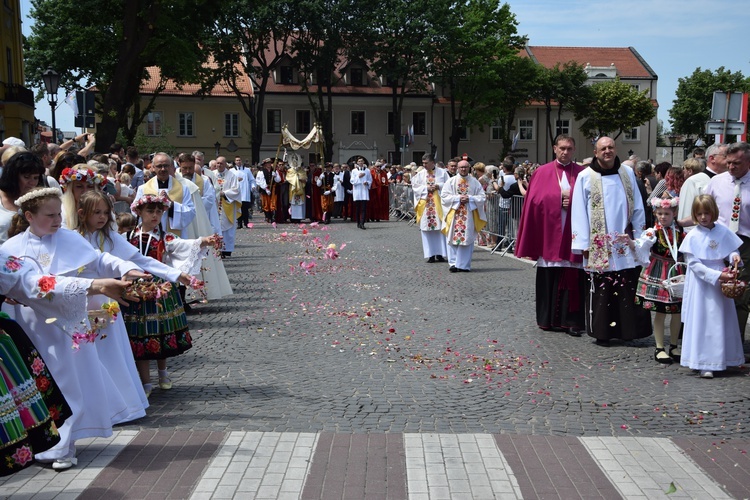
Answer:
[(150, 198), (37, 193), (665, 202), (69, 175)]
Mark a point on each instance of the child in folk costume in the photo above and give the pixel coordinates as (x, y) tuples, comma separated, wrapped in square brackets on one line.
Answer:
[(326, 182), (95, 398), (157, 326), (663, 239), (94, 223), (711, 338)]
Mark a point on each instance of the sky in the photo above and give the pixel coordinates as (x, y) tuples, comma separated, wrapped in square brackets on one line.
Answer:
[(673, 36)]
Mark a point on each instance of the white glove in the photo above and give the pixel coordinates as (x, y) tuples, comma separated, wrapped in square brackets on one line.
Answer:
[(349, 191), (268, 191), (326, 193)]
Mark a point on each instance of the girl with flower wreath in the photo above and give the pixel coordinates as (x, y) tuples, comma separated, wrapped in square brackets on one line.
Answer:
[(95, 398), (74, 181), (157, 325), (95, 221), (663, 240)]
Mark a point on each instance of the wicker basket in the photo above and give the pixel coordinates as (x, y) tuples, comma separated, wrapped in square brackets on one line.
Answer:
[(675, 285), (733, 289)]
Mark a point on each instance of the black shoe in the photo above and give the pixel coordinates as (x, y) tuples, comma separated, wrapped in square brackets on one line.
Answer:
[(603, 343), (453, 269), (665, 360), (464, 270), (362, 226), (440, 258), (573, 332), (431, 260), (675, 357)]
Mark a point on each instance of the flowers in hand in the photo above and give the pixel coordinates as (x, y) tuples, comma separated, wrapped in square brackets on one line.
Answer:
[(196, 284)]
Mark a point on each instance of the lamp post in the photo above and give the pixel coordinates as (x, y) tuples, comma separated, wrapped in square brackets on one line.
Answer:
[(51, 80), (672, 139)]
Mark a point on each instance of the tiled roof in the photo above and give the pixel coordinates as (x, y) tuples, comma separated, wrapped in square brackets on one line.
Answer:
[(219, 90), (627, 60)]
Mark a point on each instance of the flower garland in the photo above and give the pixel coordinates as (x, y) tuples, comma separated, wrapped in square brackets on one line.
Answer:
[(665, 202), (151, 198), (37, 193)]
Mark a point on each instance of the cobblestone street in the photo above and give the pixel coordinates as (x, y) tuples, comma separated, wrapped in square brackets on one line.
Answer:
[(377, 375), (380, 341)]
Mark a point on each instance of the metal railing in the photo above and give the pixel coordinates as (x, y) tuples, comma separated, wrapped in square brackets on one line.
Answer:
[(503, 222), (401, 202), (13, 92)]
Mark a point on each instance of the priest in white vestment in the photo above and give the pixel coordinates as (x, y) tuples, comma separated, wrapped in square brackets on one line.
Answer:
[(462, 200), (427, 184), (606, 209), (228, 199), (212, 271), (182, 211)]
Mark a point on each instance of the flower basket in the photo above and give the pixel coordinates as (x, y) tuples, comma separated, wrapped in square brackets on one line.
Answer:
[(675, 283), (733, 288)]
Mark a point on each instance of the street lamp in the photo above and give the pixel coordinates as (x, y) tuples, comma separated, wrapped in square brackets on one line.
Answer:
[(672, 139), (51, 80)]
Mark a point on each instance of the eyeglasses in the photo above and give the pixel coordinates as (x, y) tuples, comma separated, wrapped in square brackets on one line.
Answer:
[(160, 167)]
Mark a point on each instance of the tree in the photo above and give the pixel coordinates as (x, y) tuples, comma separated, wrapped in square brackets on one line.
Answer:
[(615, 107), (691, 108), (516, 93), (562, 87), (249, 39), (398, 41), (109, 44), (478, 41), (318, 48)]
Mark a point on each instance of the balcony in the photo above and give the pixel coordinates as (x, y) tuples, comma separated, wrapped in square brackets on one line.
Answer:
[(17, 93)]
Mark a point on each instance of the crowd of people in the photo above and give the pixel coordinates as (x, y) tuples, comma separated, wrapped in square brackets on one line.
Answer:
[(621, 254), (114, 227)]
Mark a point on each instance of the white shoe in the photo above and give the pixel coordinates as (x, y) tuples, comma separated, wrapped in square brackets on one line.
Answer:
[(64, 463), (707, 374), (147, 388)]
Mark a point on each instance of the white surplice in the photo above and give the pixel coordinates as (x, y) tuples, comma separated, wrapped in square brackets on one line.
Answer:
[(433, 240), (615, 213), (459, 255)]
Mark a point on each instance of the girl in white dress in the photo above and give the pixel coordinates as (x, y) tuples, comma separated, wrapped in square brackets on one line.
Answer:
[(91, 392), (94, 223), (711, 338)]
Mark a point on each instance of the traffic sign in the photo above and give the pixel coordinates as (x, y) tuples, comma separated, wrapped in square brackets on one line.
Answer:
[(717, 127)]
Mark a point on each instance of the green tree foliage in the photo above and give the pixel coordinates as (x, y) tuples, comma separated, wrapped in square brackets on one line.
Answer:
[(109, 44), (515, 93), (477, 44), (615, 107), (691, 108), (398, 40), (562, 87), (319, 47), (248, 40)]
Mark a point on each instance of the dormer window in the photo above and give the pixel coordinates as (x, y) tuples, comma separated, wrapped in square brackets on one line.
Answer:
[(286, 75), (358, 77)]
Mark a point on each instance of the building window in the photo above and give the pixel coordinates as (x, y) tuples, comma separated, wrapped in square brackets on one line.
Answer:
[(9, 59), (526, 130), (304, 121), (185, 125), (273, 121), (231, 124), (419, 119), (633, 135), (562, 127), (416, 157), (389, 120), (496, 131), (358, 77), (154, 122), (358, 123), (286, 75), (463, 132)]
